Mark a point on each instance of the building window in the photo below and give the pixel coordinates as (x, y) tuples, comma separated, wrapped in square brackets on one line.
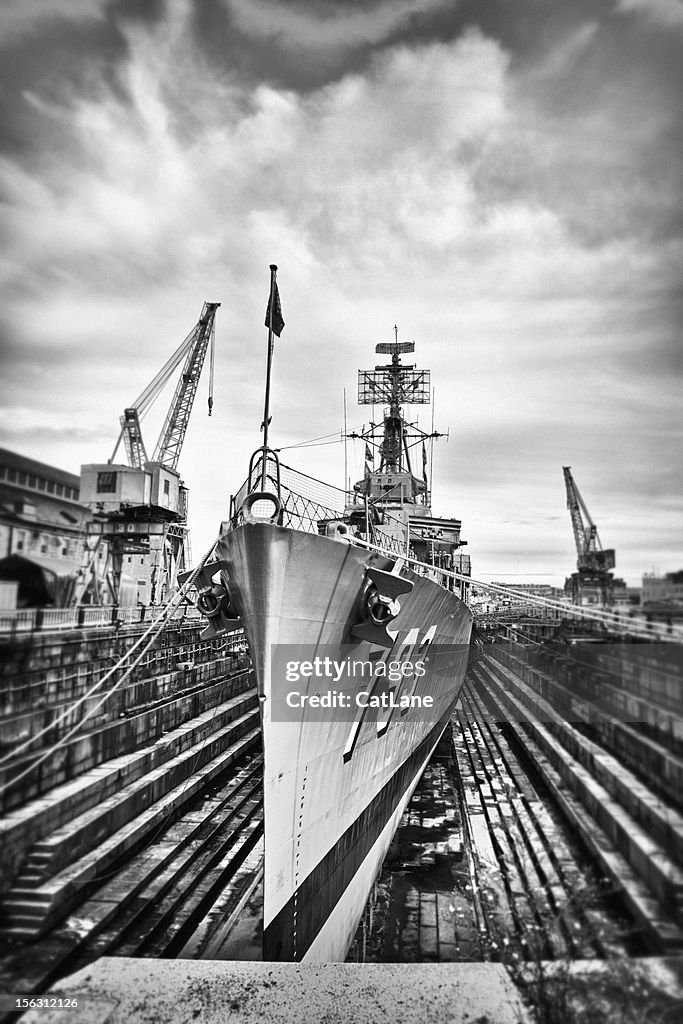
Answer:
[(11, 474), (31, 480), (106, 482), (22, 478), (50, 487), (166, 486), (41, 484), (60, 489)]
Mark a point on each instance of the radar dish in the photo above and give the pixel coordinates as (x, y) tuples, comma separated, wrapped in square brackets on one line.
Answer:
[(390, 347)]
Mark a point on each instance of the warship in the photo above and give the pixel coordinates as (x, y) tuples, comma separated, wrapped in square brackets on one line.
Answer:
[(353, 605)]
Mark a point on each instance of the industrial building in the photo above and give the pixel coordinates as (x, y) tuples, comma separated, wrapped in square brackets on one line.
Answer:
[(42, 529), (667, 589)]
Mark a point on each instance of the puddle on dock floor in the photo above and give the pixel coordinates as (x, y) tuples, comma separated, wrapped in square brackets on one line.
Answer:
[(233, 928), (245, 939), (423, 907)]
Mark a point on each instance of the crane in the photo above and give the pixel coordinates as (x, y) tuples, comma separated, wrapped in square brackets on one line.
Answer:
[(592, 583), (169, 445), (138, 539)]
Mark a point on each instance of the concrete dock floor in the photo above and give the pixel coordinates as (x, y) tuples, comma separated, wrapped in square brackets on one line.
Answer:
[(120, 990)]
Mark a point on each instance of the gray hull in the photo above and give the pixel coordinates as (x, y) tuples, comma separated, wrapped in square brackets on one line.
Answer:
[(336, 782)]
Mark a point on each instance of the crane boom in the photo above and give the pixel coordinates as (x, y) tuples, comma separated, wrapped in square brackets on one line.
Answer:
[(590, 555), (574, 504), (172, 435), (193, 350), (131, 433)]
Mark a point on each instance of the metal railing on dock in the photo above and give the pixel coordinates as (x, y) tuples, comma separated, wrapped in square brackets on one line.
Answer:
[(31, 620)]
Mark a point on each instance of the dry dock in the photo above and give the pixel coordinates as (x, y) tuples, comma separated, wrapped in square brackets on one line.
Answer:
[(545, 840)]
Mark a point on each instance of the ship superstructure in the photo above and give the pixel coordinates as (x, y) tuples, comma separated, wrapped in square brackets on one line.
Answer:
[(392, 503)]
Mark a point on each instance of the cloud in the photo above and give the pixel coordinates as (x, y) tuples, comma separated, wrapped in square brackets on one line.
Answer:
[(333, 28), (662, 13), (22, 429), (130, 185), (564, 55), (21, 17)]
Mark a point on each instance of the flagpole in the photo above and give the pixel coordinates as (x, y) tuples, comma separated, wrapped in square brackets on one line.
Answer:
[(266, 410), (347, 496)]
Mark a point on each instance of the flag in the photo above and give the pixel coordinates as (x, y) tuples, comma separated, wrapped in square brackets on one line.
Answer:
[(368, 460), (424, 462), (277, 321)]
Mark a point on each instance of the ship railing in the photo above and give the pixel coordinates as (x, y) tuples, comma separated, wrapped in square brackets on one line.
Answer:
[(431, 572), (264, 471), (389, 543), (392, 545), (306, 504), (309, 505), (46, 620), (262, 484)]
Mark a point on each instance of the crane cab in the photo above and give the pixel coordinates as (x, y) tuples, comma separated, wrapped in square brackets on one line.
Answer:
[(109, 487)]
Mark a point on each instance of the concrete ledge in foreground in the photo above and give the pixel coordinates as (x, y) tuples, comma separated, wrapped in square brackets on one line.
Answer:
[(122, 990)]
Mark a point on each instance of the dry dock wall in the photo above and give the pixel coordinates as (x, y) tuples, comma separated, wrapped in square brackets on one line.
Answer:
[(186, 701), (633, 831), (42, 676)]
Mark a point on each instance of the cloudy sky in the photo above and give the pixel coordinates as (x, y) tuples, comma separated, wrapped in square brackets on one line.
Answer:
[(501, 179)]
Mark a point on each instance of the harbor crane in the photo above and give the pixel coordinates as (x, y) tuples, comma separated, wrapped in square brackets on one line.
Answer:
[(170, 443), (592, 583), (138, 539)]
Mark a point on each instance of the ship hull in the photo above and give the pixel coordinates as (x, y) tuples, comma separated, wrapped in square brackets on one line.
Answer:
[(336, 781)]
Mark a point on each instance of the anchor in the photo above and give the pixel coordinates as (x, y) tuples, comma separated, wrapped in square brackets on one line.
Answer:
[(213, 600), (379, 606)]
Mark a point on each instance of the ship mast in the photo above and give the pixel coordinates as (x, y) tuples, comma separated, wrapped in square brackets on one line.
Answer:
[(394, 385), (393, 445)]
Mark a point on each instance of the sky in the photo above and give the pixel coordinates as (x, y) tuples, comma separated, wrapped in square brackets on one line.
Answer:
[(500, 178)]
